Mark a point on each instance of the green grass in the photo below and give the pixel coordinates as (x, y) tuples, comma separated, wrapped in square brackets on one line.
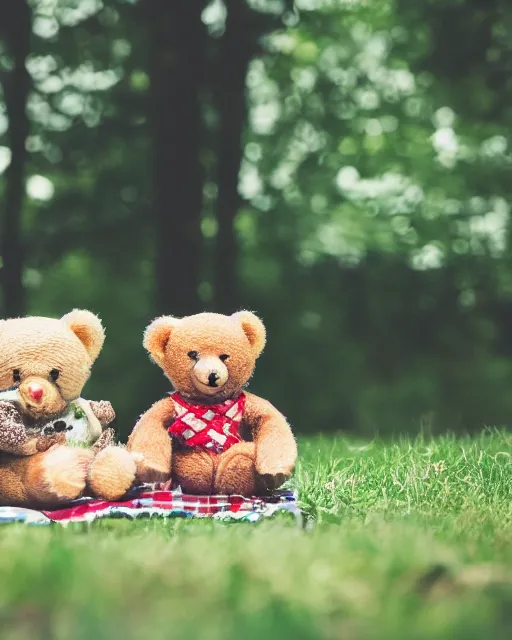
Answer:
[(407, 540)]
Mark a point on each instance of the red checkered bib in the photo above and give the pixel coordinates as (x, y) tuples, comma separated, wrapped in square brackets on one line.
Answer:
[(211, 427)]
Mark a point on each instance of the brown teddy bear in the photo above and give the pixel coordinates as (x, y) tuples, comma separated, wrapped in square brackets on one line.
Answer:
[(44, 364), (209, 433)]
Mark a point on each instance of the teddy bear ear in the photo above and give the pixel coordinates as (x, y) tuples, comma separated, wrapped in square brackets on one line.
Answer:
[(157, 336), (88, 329), (253, 328)]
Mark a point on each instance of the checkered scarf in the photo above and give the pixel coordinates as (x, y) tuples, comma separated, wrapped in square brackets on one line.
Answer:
[(211, 427)]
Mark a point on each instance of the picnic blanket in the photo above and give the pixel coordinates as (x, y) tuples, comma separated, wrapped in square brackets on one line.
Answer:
[(149, 502)]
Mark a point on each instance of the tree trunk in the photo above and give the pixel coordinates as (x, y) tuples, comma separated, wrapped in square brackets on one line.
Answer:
[(16, 27), (177, 42), (237, 47)]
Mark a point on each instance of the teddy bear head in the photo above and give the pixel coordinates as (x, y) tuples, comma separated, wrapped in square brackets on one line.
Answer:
[(47, 360), (208, 357)]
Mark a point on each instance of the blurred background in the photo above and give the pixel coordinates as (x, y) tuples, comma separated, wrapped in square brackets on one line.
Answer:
[(342, 167)]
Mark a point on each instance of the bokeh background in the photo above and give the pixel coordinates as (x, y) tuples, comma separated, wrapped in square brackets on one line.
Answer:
[(343, 167)]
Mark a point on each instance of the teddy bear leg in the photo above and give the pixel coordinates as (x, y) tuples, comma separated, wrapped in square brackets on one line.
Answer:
[(194, 471), (236, 472), (112, 473), (12, 486), (55, 476)]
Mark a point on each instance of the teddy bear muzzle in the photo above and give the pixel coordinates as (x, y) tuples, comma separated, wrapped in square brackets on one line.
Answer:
[(40, 397), (210, 374)]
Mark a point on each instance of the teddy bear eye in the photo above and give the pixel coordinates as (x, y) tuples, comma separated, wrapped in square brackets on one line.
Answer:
[(16, 375), (224, 357), (54, 374), (193, 355)]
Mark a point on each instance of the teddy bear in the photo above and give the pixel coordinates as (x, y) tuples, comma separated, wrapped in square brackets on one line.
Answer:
[(54, 444), (209, 435)]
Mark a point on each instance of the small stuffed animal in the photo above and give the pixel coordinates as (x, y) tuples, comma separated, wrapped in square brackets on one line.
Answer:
[(44, 364), (80, 421), (211, 434)]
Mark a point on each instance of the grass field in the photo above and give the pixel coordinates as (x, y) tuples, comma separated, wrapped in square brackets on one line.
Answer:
[(406, 540)]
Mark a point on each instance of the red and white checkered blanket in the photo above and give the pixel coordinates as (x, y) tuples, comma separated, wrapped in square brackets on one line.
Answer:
[(145, 502)]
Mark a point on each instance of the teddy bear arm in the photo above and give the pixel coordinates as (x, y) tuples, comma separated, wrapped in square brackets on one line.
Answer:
[(13, 435), (276, 449), (107, 439), (12, 430), (151, 444), (104, 411)]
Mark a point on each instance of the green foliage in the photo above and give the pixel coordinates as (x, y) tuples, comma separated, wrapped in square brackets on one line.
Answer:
[(409, 540)]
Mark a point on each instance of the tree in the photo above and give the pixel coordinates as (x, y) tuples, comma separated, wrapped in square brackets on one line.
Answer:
[(177, 41), (15, 30), (238, 44)]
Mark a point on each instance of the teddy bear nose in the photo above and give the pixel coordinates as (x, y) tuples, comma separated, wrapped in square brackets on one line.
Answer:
[(212, 379), (35, 391)]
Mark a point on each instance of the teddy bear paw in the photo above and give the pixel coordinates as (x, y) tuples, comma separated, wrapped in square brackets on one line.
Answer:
[(112, 473), (269, 482), (64, 472), (274, 469), (150, 473), (103, 410)]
